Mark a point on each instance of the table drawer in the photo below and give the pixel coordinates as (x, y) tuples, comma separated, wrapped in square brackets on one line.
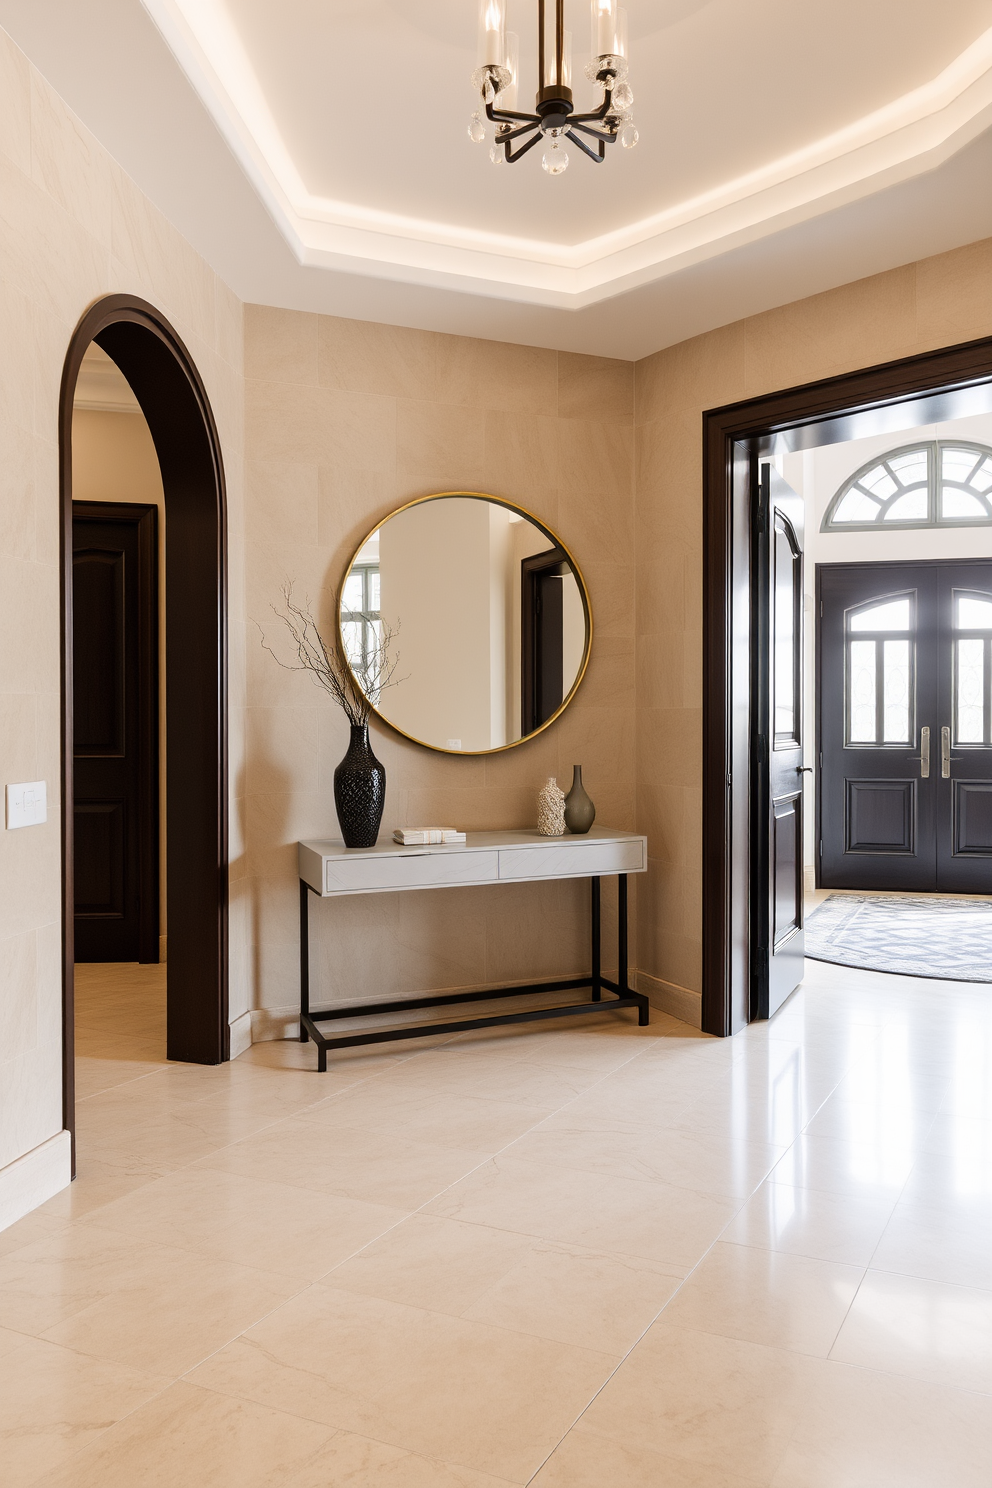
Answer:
[(413, 871), (572, 860)]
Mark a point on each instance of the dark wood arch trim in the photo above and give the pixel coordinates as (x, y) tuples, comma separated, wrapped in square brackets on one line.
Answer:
[(928, 388), (174, 401)]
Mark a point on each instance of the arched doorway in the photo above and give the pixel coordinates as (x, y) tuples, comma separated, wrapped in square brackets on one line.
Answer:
[(174, 402)]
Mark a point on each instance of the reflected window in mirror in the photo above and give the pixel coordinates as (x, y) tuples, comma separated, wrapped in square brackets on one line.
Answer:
[(491, 616)]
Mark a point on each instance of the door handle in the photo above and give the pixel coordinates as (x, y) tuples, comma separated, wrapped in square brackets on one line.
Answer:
[(804, 769), (945, 753), (925, 752)]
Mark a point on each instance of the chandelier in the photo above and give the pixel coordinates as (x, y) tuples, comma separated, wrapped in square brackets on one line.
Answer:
[(554, 119)]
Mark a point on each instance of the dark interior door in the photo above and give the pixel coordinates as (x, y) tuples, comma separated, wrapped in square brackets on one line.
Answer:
[(905, 743), (115, 732), (541, 636), (777, 792)]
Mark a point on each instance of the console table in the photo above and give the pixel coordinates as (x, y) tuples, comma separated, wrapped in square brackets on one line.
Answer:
[(331, 871)]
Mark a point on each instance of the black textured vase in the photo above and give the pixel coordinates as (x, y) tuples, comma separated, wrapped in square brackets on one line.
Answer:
[(580, 813), (359, 791)]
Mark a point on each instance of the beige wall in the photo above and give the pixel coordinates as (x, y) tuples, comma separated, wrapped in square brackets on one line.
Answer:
[(72, 227), (114, 459), (937, 302), (344, 421)]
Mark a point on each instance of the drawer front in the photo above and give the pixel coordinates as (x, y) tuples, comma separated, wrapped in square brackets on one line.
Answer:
[(572, 860), (418, 871)]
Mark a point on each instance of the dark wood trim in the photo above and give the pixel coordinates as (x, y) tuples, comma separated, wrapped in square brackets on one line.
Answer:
[(931, 387), (531, 569), (174, 402), (145, 519)]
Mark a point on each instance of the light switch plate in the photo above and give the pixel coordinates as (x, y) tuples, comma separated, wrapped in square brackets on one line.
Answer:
[(27, 804)]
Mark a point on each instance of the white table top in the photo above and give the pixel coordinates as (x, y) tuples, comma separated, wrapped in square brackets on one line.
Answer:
[(519, 837)]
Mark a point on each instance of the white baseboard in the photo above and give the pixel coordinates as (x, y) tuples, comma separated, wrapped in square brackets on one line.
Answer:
[(241, 1035), (274, 1023), (669, 997), (32, 1179), (809, 880)]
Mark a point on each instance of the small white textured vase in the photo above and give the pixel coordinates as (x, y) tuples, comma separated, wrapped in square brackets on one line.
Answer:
[(551, 810)]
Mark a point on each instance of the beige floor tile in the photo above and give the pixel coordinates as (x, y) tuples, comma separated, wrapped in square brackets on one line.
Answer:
[(492, 1075), (94, 1075), (376, 1167), (439, 1117), (806, 1222), (617, 1215), (724, 1406), (706, 1162), (853, 1170), (587, 1460), (198, 1439), (860, 1429), (358, 1462), (277, 1227), (937, 1244), (98, 1183), (926, 1329), (766, 1296), (34, 1226), (54, 1401), (463, 1392)]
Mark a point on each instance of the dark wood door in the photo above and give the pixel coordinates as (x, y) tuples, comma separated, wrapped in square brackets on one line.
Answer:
[(541, 636), (115, 732), (905, 743), (777, 795)]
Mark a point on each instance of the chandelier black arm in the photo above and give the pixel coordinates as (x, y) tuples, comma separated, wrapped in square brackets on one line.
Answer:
[(599, 113), (507, 116), (512, 134), (607, 136), (512, 159), (585, 148)]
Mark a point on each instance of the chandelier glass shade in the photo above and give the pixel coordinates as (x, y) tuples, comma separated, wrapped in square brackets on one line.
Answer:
[(554, 120)]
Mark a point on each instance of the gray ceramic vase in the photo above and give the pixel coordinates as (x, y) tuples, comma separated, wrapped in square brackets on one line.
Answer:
[(580, 813)]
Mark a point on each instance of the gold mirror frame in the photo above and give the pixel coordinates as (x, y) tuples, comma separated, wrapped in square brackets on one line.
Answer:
[(552, 537)]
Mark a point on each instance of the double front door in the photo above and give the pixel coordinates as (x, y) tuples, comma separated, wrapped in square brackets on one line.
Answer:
[(904, 702)]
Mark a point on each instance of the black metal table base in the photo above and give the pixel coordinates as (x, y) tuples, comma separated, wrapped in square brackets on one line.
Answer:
[(620, 994)]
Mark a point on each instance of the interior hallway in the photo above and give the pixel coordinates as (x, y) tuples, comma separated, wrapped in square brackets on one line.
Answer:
[(578, 1257)]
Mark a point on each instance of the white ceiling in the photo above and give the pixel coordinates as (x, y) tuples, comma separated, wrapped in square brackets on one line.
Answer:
[(316, 152)]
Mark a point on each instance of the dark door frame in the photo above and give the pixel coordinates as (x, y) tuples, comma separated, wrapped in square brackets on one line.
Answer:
[(145, 521), (174, 401), (929, 388)]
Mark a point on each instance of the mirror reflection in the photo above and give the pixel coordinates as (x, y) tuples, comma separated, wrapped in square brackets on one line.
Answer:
[(490, 619)]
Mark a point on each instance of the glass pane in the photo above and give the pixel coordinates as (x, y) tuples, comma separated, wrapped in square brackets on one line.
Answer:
[(892, 615), (911, 467), (879, 482), (895, 682), (373, 589), (861, 682), (856, 507), (351, 634), (955, 503), (786, 578), (352, 597), (957, 464), (909, 508), (982, 478), (970, 692), (974, 614)]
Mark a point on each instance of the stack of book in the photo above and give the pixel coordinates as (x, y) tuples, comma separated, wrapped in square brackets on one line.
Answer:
[(426, 836)]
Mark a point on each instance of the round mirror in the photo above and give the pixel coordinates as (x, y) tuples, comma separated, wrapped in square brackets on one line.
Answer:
[(477, 614)]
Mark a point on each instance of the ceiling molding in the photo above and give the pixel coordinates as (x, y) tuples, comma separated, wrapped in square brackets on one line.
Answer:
[(906, 138)]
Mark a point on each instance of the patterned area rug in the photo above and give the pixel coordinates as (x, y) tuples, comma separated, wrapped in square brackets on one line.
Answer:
[(924, 937)]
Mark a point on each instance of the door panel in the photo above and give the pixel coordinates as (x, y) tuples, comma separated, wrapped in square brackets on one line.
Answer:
[(115, 732), (777, 791), (904, 703)]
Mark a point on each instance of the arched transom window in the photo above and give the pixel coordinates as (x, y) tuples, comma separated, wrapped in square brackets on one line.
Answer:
[(942, 483)]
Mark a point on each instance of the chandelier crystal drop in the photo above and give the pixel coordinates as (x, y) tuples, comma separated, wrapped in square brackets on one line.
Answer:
[(554, 119)]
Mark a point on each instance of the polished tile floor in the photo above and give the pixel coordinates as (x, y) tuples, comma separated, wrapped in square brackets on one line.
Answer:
[(577, 1257)]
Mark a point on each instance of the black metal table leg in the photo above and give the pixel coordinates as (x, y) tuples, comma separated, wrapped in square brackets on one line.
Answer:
[(597, 951), (304, 958)]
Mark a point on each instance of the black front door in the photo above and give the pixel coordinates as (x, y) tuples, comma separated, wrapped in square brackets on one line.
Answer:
[(777, 938), (115, 732), (905, 739)]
